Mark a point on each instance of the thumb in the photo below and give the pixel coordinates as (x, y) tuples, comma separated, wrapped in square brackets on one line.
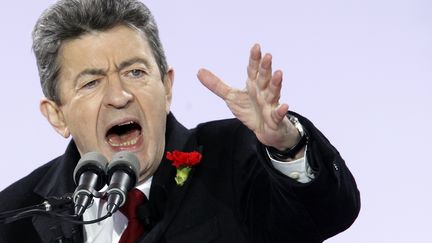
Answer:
[(213, 83)]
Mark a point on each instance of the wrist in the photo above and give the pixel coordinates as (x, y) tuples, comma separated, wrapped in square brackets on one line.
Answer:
[(294, 150)]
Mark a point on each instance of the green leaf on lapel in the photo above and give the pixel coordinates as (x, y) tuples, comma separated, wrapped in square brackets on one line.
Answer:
[(182, 175)]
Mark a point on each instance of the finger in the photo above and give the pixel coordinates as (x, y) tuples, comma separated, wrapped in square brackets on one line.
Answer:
[(265, 71), (274, 88), (213, 83), (279, 113), (254, 61)]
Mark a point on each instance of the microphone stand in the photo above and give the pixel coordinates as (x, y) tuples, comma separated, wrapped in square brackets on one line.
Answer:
[(49, 205), (49, 208)]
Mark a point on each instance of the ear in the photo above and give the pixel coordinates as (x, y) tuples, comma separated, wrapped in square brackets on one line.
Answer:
[(52, 112), (168, 83)]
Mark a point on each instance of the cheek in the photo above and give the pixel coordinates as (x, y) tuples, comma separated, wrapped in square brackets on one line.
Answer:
[(81, 119), (158, 118), (152, 100), (153, 108)]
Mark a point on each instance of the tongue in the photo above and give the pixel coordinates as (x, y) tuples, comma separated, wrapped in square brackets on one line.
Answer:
[(118, 140)]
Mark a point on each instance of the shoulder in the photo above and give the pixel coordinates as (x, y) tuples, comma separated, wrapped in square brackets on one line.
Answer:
[(20, 193), (221, 130), (227, 140), (222, 124)]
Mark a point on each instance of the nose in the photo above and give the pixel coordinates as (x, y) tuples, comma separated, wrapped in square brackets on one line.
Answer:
[(116, 95)]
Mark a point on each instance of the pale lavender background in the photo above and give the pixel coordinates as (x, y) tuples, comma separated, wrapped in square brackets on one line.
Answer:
[(361, 70)]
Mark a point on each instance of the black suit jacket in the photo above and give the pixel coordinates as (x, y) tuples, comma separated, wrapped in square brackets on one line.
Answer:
[(233, 195)]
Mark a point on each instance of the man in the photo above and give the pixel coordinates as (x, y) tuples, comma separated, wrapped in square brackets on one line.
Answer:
[(267, 176)]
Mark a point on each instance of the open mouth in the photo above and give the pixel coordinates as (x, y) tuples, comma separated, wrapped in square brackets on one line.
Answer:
[(124, 136)]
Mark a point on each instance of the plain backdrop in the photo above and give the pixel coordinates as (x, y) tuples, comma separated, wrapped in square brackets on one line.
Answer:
[(361, 70)]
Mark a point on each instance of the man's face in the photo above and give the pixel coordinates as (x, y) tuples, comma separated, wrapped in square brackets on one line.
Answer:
[(112, 96)]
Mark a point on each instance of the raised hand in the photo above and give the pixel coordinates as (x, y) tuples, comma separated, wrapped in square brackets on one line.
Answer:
[(257, 105)]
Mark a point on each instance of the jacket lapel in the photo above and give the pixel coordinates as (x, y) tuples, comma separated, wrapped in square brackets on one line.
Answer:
[(165, 195)]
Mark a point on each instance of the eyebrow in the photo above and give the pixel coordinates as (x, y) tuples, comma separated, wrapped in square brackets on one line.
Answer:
[(90, 71), (134, 60), (124, 64)]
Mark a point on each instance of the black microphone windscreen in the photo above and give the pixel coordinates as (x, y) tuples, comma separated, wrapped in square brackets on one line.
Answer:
[(127, 162), (94, 162)]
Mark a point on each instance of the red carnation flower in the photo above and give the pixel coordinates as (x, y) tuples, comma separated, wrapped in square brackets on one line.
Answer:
[(183, 161)]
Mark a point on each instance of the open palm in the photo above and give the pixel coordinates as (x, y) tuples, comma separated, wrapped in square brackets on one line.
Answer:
[(257, 105)]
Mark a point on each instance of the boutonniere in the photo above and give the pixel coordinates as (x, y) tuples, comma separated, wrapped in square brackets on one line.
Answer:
[(183, 161)]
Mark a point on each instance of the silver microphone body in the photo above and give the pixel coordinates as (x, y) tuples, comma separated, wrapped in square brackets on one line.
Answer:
[(90, 173), (123, 171)]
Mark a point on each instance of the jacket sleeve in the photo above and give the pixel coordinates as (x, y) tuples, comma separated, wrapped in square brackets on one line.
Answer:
[(275, 207)]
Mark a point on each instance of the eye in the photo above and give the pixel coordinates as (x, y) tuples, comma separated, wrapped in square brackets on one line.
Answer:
[(135, 73), (90, 84)]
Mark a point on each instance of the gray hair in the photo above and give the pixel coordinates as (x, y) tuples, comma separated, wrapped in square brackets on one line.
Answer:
[(69, 19)]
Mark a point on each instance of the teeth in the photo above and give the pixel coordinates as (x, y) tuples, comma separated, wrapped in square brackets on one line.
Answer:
[(126, 123), (124, 144)]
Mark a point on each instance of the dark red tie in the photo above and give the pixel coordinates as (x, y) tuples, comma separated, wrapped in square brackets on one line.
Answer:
[(134, 228)]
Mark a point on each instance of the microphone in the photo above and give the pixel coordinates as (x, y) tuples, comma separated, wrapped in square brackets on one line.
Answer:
[(90, 173), (122, 176)]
